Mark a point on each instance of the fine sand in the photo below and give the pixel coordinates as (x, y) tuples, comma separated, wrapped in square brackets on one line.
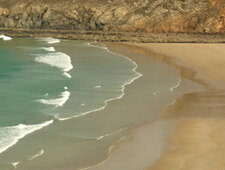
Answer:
[(197, 141), (89, 140), (207, 60)]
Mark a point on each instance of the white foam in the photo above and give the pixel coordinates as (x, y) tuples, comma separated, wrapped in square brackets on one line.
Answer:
[(14, 164), (49, 40), (58, 59), (21, 126), (39, 153), (5, 38), (108, 154), (90, 111), (177, 85), (67, 75), (108, 100), (171, 88), (98, 87), (66, 88), (51, 49), (109, 134), (11, 135), (63, 97), (101, 47)]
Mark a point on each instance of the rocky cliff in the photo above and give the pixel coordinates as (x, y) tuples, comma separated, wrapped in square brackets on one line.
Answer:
[(189, 16)]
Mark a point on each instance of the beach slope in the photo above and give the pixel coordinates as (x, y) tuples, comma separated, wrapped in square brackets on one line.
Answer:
[(197, 141)]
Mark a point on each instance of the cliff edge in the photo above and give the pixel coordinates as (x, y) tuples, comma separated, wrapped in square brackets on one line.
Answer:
[(151, 16)]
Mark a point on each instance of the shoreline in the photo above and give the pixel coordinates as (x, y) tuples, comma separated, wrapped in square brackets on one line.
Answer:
[(112, 118), (202, 61), (116, 159), (191, 122), (171, 122), (107, 36)]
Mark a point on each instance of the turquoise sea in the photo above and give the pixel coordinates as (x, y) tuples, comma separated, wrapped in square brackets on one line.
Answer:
[(50, 90)]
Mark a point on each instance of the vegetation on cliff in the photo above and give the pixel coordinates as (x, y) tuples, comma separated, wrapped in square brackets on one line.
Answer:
[(189, 16)]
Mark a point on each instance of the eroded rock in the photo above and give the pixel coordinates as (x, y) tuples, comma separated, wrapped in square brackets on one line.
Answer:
[(194, 16)]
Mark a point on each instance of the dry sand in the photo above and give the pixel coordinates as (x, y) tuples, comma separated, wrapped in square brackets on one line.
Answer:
[(198, 140), (207, 60), (195, 144)]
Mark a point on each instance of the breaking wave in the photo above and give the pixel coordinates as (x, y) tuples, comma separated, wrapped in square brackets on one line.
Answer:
[(11, 135)]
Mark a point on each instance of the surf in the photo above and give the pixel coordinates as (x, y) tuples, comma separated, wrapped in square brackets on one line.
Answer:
[(5, 38), (49, 40), (58, 59), (11, 135), (58, 102)]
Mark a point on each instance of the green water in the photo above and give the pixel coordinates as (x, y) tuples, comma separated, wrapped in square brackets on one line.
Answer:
[(45, 113), (97, 76)]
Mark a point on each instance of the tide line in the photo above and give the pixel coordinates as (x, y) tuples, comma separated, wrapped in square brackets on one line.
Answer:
[(39, 153), (177, 85), (138, 75), (112, 133), (171, 88)]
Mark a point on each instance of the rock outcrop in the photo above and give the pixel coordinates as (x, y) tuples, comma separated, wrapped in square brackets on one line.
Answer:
[(184, 16)]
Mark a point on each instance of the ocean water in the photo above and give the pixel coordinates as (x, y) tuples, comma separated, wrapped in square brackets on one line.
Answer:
[(39, 84), (50, 91)]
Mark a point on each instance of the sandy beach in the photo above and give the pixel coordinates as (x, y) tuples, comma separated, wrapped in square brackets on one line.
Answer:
[(112, 84), (170, 118), (197, 141), (207, 60), (92, 139)]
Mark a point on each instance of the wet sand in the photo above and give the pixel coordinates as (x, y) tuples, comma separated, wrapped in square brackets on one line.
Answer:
[(187, 133), (197, 141), (78, 143), (207, 60)]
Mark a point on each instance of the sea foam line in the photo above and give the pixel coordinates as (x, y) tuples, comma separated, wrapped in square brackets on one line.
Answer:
[(108, 155), (177, 85), (108, 100), (154, 93), (49, 40), (39, 153), (172, 88), (103, 136), (5, 38), (58, 102), (57, 59), (11, 135), (51, 49), (98, 109), (109, 134), (102, 162)]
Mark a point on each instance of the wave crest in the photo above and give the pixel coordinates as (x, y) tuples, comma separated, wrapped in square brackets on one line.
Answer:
[(11, 135), (51, 49), (58, 59), (5, 38), (64, 96), (49, 40)]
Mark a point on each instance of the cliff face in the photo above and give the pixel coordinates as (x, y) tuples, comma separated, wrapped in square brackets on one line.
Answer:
[(192, 16)]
